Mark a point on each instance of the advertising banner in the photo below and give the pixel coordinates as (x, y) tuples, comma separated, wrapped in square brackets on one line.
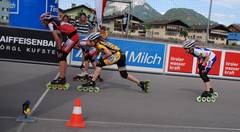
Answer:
[(52, 7), (179, 61), (28, 45), (14, 6), (232, 64), (140, 55), (26, 13)]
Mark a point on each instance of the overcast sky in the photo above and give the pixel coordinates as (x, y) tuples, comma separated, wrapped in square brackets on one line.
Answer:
[(223, 11)]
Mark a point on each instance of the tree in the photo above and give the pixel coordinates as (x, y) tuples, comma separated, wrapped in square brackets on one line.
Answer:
[(184, 33)]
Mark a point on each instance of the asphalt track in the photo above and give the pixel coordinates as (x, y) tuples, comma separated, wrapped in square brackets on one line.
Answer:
[(119, 107)]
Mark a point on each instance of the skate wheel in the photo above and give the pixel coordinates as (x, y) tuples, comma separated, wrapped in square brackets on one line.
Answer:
[(215, 94), (49, 85), (79, 89), (147, 85), (67, 85), (204, 99), (199, 99), (213, 99), (91, 89), (85, 90), (209, 99), (97, 90)]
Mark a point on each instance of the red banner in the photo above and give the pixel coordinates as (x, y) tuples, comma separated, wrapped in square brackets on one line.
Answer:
[(232, 64), (179, 61), (216, 66)]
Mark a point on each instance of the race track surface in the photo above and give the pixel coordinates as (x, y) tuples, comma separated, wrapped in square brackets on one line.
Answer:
[(119, 107)]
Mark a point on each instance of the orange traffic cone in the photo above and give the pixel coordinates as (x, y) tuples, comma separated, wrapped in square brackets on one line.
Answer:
[(77, 118)]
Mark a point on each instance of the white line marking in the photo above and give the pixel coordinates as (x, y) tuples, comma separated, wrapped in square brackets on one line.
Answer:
[(135, 124), (21, 127), (39, 101), (36, 105)]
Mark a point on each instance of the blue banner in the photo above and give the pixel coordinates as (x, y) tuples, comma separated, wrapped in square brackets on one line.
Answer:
[(14, 6), (26, 13), (141, 53), (52, 7), (138, 53), (234, 36)]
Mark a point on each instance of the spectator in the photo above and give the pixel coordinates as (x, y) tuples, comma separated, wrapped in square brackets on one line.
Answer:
[(95, 24), (65, 19), (83, 26), (91, 17), (124, 22)]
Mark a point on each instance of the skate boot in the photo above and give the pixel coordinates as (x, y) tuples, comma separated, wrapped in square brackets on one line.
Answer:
[(59, 83), (206, 97), (98, 79), (144, 85), (90, 86), (214, 93), (83, 77)]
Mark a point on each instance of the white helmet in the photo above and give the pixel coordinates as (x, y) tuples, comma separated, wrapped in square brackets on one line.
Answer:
[(93, 36), (189, 43), (46, 16)]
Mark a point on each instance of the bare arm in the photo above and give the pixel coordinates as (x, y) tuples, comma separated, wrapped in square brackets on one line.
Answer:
[(106, 52), (57, 39)]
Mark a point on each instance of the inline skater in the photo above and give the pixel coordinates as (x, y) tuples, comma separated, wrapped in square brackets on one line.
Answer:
[(206, 59), (89, 55), (112, 54), (59, 29)]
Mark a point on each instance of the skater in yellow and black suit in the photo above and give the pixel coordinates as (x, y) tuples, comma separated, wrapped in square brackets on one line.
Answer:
[(111, 55)]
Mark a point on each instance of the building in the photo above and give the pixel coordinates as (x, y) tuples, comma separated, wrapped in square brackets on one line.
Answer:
[(234, 27), (4, 12), (234, 34), (217, 33), (167, 29), (74, 12), (233, 38), (114, 25)]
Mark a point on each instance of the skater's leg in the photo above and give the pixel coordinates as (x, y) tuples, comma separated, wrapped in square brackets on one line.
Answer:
[(132, 78), (62, 68), (86, 66), (124, 74), (94, 64), (208, 86), (204, 76), (96, 73)]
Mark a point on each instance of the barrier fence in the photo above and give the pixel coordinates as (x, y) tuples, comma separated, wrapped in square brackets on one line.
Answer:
[(141, 56)]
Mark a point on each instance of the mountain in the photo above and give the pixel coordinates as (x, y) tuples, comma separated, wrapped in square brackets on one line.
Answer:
[(141, 10), (112, 9), (145, 12), (188, 16)]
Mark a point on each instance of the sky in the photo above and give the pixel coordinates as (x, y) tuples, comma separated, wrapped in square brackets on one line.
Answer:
[(223, 11)]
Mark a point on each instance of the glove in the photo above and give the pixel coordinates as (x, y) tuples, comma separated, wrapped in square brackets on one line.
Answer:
[(201, 67), (100, 59)]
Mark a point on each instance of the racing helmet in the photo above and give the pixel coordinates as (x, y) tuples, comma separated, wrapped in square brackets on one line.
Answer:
[(46, 17), (93, 36), (189, 43)]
